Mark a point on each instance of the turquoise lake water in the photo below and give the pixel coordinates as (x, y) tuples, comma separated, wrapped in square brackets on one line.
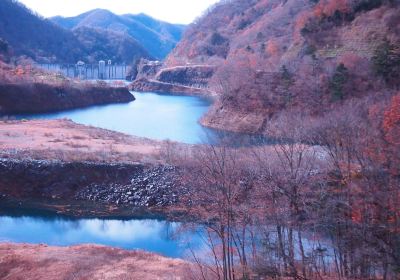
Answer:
[(151, 115)]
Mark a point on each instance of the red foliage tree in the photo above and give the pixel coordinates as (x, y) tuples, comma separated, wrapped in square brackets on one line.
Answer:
[(329, 7), (391, 121)]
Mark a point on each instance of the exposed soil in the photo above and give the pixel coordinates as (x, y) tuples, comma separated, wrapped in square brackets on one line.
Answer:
[(231, 119), (68, 141), (147, 85), (77, 170), (85, 262)]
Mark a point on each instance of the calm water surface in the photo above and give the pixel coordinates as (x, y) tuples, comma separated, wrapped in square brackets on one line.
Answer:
[(151, 115), (150, 235)]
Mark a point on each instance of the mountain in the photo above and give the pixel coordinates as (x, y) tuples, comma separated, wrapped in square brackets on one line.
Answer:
[(277, 56), (158, 37), (27, 34), (104, 44)]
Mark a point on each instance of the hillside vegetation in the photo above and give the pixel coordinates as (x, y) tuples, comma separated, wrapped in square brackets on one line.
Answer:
[(26, 90), (157, 37), (36, 37), (276, 56), (105, 44), (31, 36), (322, 77)]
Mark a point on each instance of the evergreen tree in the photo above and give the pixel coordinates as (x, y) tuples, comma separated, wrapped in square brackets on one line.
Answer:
[(339, 79), (387, 62)]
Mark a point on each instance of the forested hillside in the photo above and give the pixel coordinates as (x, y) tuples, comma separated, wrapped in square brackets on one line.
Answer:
[(36, 37), (275, 56), (322, 77), (104, 44), (39, 39), (158, 37)]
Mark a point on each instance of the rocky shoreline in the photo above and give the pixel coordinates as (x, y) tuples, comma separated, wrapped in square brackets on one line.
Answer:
[(147, 85), (154, 187), (87, 188)]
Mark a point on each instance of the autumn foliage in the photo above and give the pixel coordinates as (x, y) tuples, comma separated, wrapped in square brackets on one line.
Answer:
[(312, 39), (327, 8), (313, 72), (391, 122)]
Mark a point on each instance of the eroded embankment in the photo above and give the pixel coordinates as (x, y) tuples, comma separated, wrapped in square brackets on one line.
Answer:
[(146, 85), (41, 97), (187, 80), (81, 171), (86, 188)]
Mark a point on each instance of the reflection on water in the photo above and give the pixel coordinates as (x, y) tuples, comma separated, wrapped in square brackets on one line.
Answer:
[(151, 115), (150, 235)]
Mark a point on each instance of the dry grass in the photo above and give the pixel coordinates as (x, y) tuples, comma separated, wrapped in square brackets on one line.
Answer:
[(68, 141), (85, 262)]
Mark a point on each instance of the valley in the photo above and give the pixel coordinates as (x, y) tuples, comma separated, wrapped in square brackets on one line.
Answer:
[(258, 142)]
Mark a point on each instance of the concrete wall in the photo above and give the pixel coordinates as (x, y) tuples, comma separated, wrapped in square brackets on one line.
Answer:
[(88, 71)]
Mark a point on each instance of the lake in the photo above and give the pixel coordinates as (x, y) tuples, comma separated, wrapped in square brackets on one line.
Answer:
[(149, 235), (151, 115)]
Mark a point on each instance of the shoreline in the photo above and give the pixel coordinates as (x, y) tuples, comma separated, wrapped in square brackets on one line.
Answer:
[(217, 116), (86, 261), (31, 98), (58, 165)]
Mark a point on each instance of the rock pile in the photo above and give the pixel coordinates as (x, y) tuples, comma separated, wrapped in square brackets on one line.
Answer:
[(150, 188)]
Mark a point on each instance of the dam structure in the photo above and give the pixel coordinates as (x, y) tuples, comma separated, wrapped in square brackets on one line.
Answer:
[(101, 71)]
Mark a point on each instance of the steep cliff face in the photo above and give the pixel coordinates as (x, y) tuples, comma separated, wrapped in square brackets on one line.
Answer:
[(189, 79), (150, 85), (273, 56), (147, 68), (195, 76)]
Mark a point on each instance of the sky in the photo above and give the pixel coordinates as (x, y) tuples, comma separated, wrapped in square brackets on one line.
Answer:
[(174, 11)]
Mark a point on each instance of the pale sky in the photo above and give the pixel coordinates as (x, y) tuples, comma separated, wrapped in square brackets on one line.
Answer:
[(174, 11)]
